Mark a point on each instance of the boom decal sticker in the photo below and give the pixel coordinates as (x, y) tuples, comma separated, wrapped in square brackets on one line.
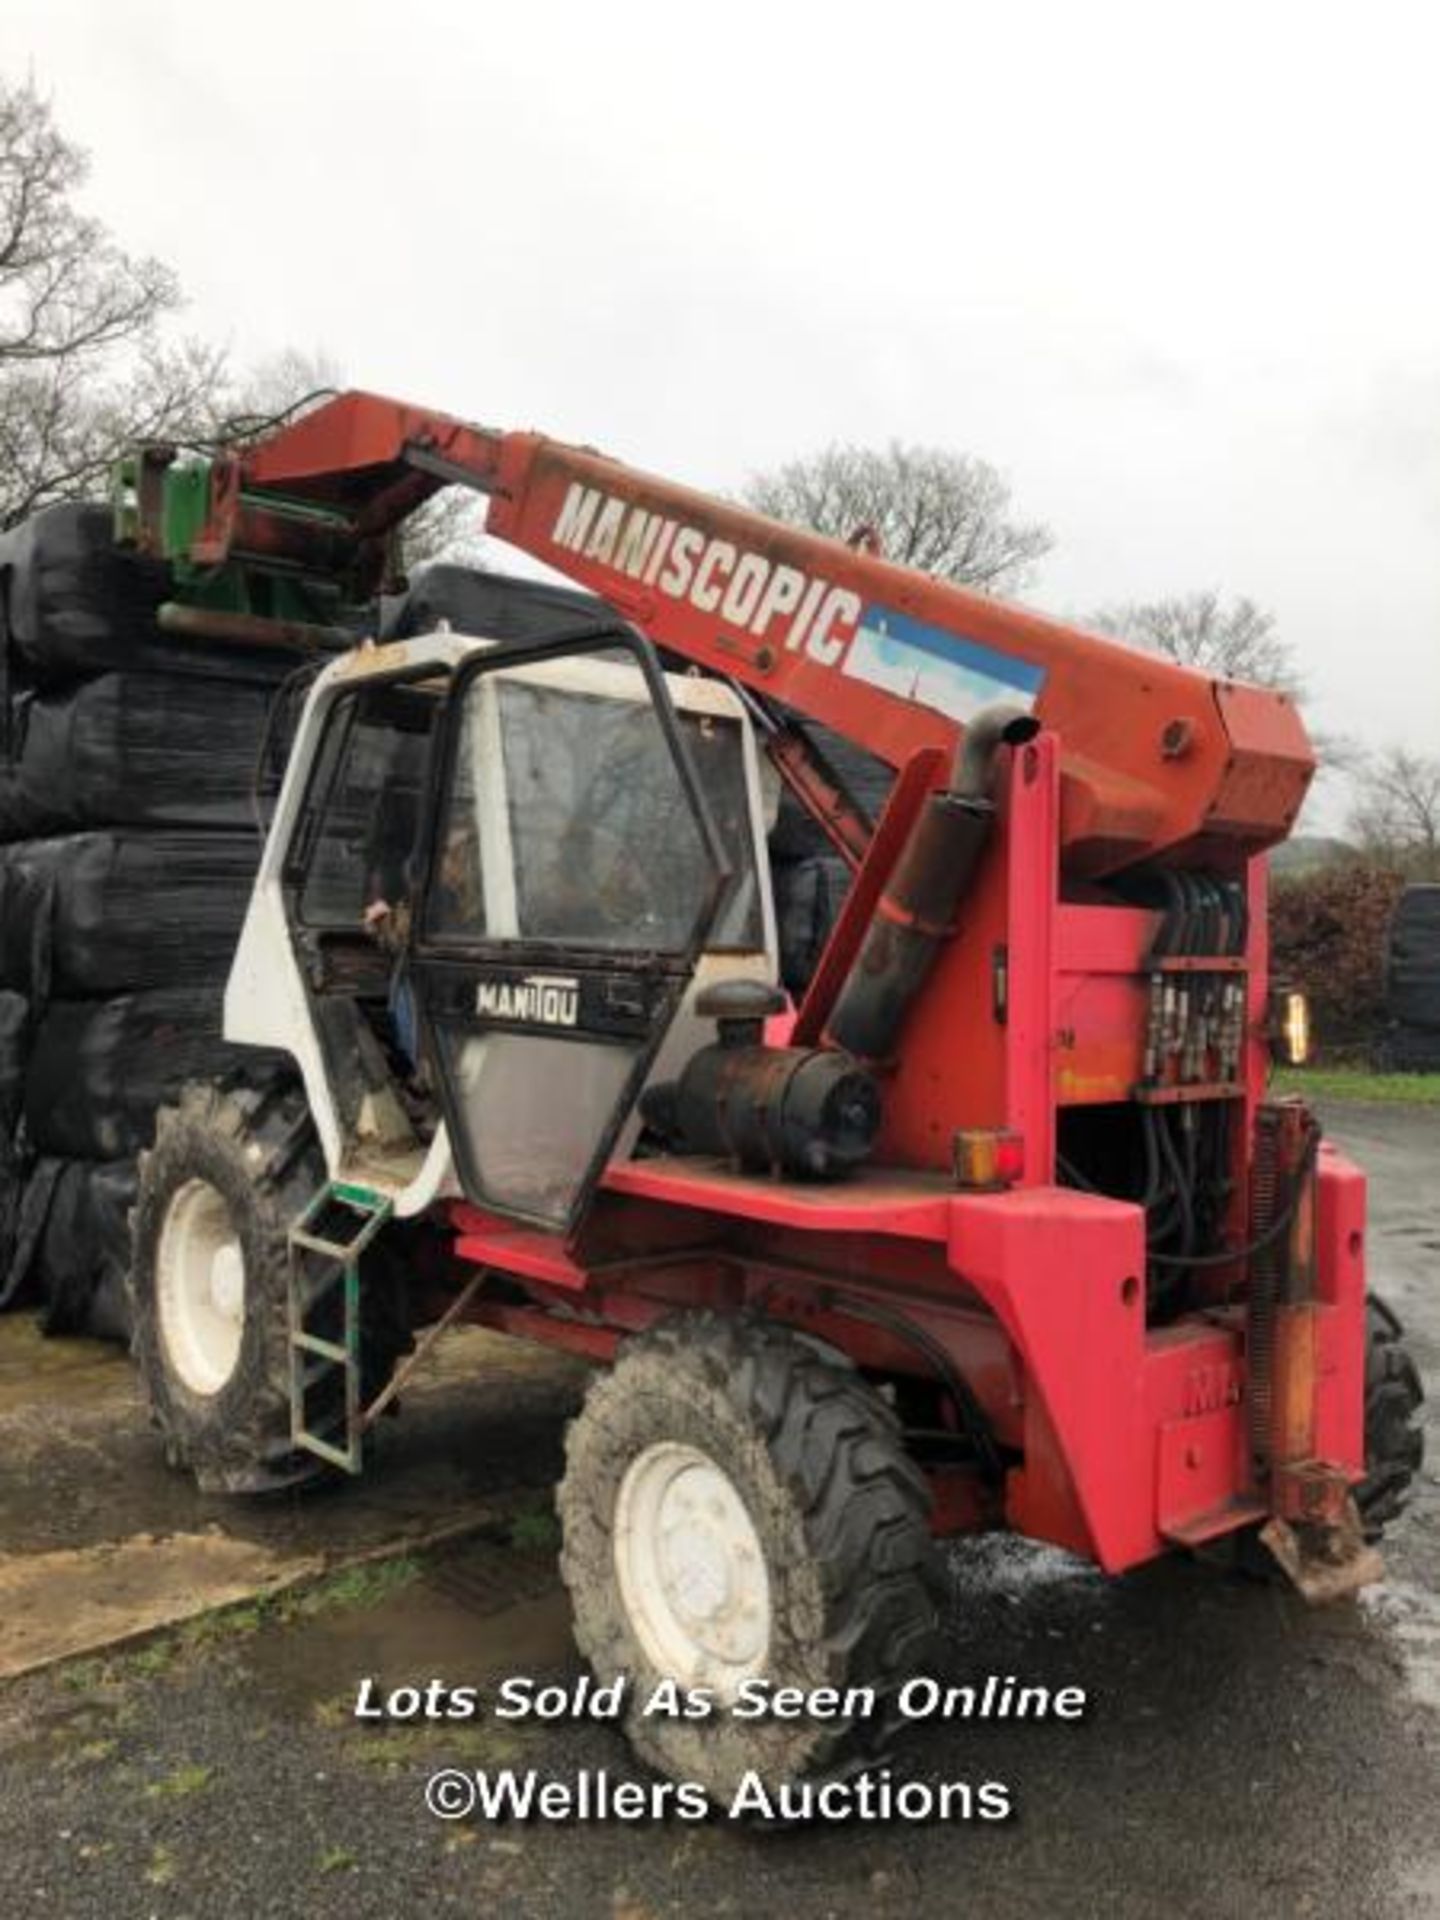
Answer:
[(946, 671), (752, 592)]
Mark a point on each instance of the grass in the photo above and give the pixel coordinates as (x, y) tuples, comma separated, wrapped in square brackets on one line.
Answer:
[(161, 1870), (536, 1528), (473, 1743), (1357, 1083), (365, 1585), (181, 1784)]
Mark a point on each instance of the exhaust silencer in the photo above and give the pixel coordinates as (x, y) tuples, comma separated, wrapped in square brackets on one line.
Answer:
[(916, 913)]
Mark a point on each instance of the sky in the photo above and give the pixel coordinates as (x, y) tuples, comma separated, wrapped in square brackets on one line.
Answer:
[(1172, 270)]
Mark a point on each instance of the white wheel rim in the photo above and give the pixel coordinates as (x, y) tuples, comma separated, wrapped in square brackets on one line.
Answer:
[(200, 1287), (691, 1569)]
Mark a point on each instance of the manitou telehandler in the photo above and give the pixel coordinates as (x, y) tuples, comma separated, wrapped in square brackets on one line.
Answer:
[(996, 1228)]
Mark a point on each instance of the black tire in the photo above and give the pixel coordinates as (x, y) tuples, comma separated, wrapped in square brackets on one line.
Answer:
[(1394, 1441), (841, 1515), (257, 1147)]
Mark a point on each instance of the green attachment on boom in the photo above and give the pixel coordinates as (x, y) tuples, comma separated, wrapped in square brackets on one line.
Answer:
[(160, 504)]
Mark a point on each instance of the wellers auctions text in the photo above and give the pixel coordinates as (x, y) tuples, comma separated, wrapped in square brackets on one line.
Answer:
[(508, 1794)]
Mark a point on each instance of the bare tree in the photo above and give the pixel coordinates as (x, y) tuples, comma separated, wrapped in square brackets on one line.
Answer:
[(283, 386), (1397, 816), (86, 370), (82, 367), (449, 527), (945, 513), (1233, 640)]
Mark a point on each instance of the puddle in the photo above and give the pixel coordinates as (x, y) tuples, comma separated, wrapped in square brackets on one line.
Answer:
[(1010, 1567), (480, 1611), (1410, 1616)]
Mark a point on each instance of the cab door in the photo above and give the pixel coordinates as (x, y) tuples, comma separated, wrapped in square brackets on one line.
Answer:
[(572, 873)]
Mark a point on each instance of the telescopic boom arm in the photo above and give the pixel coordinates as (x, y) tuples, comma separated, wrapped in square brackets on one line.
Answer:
[(1157, 759)]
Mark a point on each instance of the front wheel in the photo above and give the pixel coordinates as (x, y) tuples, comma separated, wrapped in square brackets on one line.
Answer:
[(229, 1173), (738, 1508)]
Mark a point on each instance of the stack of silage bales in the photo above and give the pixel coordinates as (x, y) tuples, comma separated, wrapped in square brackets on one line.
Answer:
[(127, 851)]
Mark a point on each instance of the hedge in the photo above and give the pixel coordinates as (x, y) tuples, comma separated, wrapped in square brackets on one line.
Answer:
[(1328, 934)]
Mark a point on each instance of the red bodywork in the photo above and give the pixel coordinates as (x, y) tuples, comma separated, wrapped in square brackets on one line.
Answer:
[(1118, 1437)]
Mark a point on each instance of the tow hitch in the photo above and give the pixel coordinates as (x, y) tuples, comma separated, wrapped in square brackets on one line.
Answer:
[(1315, 1532), (1324, 1560)]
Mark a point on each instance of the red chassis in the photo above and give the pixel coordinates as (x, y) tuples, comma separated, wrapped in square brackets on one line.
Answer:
[(1129, 1439)]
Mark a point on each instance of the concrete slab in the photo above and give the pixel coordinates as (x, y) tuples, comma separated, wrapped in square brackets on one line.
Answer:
[(101, 1542)]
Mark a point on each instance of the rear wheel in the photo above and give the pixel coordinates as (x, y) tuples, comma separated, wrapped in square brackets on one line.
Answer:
[(228, 1174), (1394, 1441), (738, 1507)]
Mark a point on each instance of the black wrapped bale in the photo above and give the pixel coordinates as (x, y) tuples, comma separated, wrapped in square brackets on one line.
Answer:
[(14, 1048), (808, 896), (1406, 1049), (72, 1246), (795, 835), (491, 606), (106, 913), (19, 815), (12, 1186), (78, 605), (99, 1069), (26, 912), (143, 749), (1412, 975)]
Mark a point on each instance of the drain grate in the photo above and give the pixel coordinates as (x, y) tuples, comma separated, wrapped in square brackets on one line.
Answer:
[(486, 1575)]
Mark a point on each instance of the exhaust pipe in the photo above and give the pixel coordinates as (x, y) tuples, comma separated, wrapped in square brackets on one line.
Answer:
[(916, 914)]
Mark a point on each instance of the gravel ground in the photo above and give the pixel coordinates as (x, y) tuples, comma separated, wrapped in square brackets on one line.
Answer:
[(1242, 1755)]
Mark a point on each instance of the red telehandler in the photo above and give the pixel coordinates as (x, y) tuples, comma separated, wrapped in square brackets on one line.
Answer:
[(997, 1228)]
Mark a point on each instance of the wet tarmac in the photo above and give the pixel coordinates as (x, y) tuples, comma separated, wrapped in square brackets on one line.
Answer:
[(1241, 1755)]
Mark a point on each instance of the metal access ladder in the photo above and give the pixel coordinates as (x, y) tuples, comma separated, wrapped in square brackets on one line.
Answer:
[(318, 1265)]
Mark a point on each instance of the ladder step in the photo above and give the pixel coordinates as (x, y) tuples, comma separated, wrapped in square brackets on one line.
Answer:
[(310, 1282), (330, 1249), (336, 1456), (333, 1350)]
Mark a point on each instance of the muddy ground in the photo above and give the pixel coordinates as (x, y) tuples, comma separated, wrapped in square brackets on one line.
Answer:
[(1242, 1756)]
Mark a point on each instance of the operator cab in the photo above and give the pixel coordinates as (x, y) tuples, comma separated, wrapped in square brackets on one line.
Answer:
[(488, 899)]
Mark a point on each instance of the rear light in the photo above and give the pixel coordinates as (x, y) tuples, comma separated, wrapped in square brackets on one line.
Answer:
[(1290, 1026), (988, 1159)]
